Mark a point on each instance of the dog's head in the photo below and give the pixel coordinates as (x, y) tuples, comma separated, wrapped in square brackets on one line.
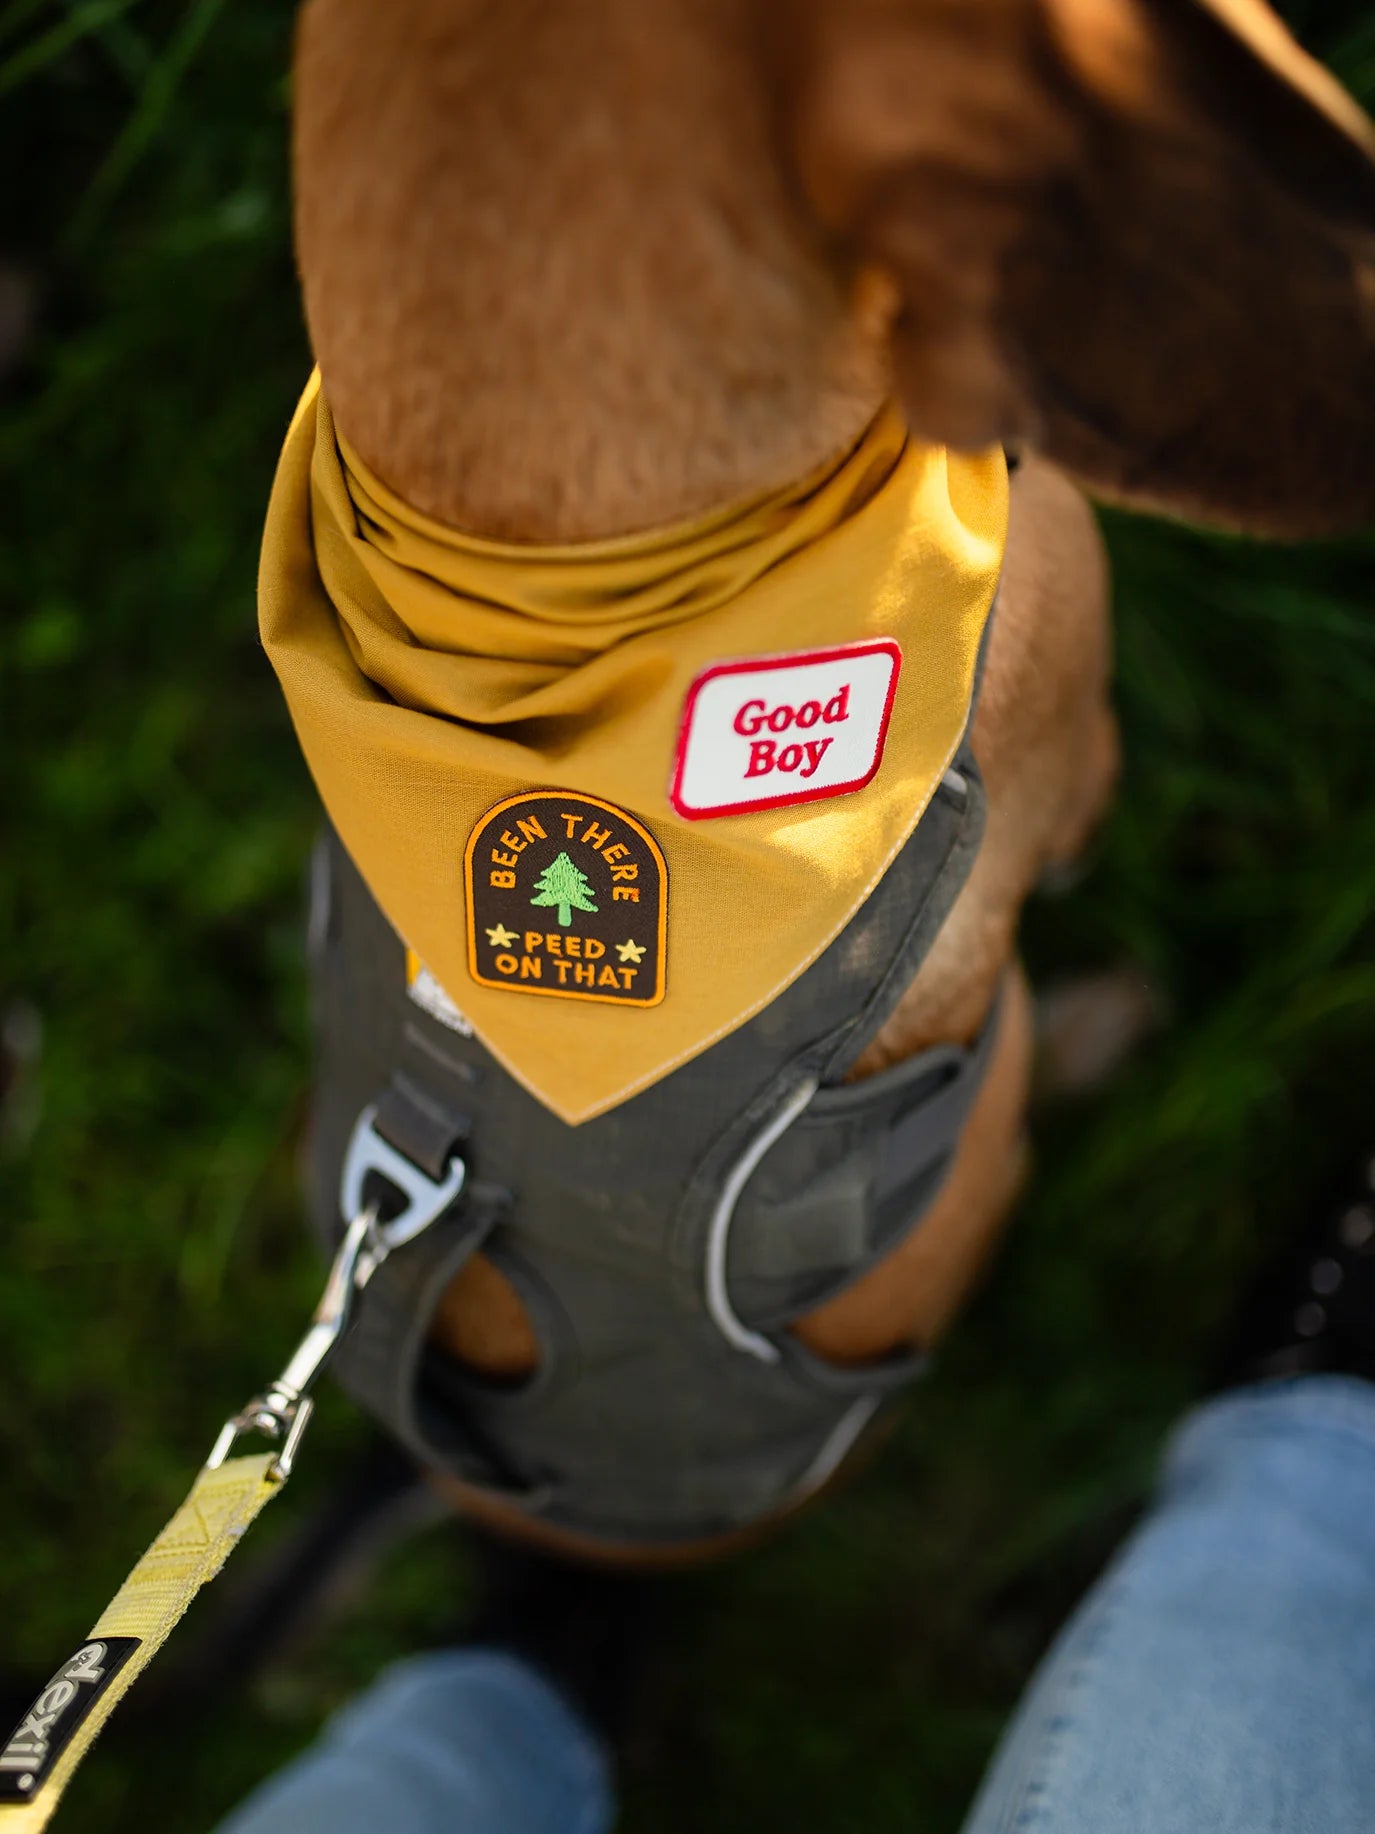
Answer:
[(1136, 234)]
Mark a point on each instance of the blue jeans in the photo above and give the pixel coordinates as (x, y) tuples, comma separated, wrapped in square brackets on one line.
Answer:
[(466, 1741), (1219, 1679)]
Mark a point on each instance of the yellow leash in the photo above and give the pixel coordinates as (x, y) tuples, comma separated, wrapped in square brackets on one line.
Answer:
[(63, 1723)]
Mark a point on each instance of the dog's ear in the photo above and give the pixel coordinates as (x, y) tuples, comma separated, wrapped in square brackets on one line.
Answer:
[(1136, 234)]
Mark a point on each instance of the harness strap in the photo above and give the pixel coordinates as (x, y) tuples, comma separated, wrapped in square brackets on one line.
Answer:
[(857, 1169), (386, 1345), (419, 1125), (926, 1136), (67, 1717)]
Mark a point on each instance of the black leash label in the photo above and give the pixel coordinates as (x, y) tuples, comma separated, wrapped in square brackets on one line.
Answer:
[(51, 1722)]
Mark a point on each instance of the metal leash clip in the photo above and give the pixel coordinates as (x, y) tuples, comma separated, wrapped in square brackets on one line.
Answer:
[(282, 1411)]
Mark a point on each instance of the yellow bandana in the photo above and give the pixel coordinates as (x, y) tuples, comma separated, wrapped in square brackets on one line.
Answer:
[(433, 676)]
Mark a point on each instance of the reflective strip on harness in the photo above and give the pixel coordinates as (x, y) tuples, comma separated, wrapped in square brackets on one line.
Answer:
[(738, 1335)]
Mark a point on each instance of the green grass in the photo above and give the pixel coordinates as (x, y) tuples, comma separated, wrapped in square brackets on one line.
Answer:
[(155, 821)]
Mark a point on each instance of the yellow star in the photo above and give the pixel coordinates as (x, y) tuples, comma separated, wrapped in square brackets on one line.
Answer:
[(630, 951), (500, 937)]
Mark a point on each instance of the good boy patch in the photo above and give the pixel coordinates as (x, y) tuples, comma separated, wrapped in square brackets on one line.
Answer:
[(567, 896), (771, 730)]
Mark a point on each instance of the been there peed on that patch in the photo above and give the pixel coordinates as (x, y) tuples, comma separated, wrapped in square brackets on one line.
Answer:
[(567, 896), (772, 730)]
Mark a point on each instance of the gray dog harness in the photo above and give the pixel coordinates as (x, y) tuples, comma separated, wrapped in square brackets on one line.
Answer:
[(660, 1249)]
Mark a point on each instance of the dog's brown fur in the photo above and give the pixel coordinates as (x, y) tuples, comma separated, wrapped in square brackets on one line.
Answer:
[(576, 271)]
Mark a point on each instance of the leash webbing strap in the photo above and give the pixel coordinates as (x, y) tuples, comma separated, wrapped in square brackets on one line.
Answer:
[(67, 1717), (65, 1720)]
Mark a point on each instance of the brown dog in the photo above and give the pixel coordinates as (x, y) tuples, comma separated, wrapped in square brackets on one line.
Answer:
[(574, 272)]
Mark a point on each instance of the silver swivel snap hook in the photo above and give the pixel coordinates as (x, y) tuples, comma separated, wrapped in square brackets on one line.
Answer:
[(284, 1408)]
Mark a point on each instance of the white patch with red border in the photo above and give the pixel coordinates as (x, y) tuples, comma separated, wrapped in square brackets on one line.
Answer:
[(772, 730)]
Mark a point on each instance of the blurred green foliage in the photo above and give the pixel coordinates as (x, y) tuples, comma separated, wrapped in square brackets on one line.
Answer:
[(155, 819)]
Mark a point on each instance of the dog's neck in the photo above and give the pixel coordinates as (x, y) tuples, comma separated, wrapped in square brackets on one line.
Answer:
[(554, 276)]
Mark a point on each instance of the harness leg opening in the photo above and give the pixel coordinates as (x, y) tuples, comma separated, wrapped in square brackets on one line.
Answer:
[(483, 1325)]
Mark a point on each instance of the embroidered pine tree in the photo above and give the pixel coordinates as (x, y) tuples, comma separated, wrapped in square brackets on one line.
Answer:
[(562, 884)]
